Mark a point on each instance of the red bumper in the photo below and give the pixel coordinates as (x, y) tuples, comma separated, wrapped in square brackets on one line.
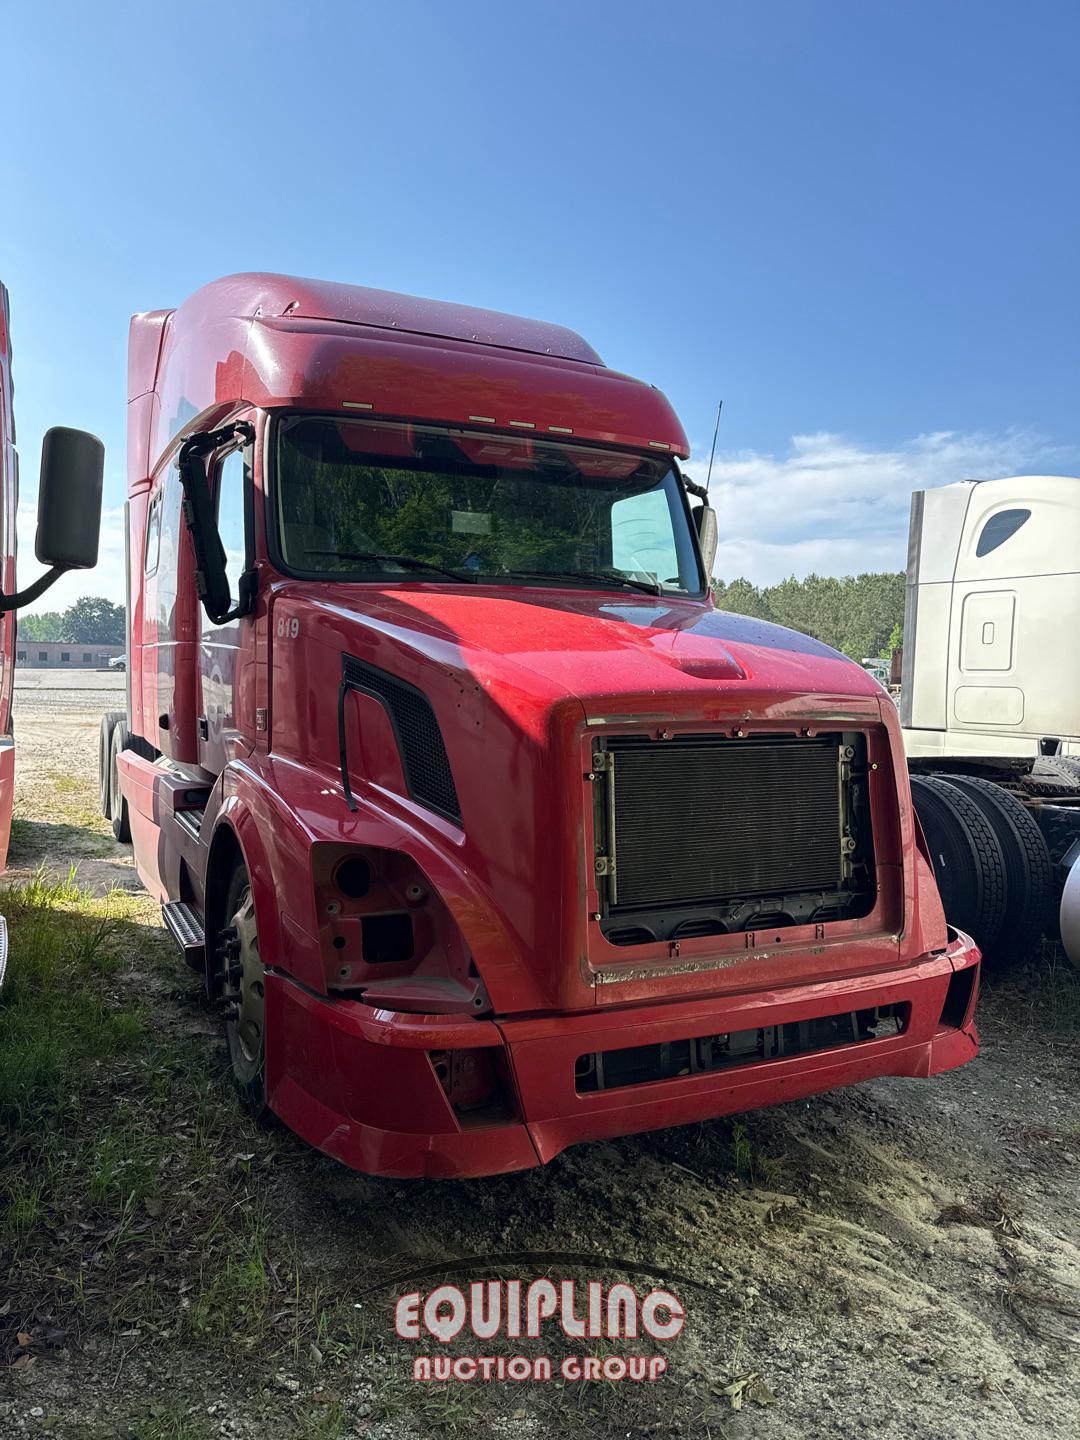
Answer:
[(360, 1084)]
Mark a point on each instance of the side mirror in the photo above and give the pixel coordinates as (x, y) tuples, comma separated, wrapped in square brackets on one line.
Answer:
[(69, 499), (69, 509), (708, 537), (211, 577)]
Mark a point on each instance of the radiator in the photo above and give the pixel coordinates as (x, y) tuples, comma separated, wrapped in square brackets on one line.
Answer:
[(718, 822)]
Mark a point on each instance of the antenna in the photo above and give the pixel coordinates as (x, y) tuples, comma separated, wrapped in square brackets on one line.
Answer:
[(712, 452)]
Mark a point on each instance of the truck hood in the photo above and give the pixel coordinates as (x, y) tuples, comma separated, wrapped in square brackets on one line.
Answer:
[(597, 645), (516, 682)]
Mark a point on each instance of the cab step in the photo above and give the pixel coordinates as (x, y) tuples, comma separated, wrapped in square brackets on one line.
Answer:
[(185, 927)]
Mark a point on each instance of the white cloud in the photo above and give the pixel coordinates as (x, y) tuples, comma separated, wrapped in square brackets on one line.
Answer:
[(838, 507), (107, 579)]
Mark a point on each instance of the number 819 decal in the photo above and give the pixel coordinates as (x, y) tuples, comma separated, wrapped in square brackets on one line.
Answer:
[(288, 627)]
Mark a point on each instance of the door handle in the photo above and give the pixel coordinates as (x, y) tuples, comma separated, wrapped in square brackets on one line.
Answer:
[(204, 728)]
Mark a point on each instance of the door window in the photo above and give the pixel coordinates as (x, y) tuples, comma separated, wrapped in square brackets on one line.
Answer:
[(153, 535), (231, 509)]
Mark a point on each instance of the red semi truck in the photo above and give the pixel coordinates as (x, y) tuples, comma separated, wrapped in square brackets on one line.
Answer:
[(69, 514), (490, 833)]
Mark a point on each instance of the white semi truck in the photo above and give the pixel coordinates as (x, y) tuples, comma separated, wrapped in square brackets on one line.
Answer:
[(990, 703)]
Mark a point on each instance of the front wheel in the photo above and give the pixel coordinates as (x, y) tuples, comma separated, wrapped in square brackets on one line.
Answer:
[(243, 988), (118, 806)]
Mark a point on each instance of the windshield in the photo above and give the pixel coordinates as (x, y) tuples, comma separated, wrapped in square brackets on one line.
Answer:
[(364, 500)]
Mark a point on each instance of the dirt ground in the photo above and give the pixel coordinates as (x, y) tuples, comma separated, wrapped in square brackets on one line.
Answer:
[(56, 817), (897, 1259)]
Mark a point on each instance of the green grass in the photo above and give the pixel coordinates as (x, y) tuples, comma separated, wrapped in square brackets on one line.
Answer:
[(1055, 996), (1045, 994), (430, 1407), (55, 1015), (120, 1134)]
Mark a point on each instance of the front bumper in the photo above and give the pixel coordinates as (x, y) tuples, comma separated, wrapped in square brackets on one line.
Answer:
[(360, 1085)]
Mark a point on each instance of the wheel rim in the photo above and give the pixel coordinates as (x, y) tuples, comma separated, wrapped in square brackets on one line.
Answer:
[(250, 987)]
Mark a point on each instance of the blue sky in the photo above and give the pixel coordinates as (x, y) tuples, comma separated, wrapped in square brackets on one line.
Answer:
[(857, 222)]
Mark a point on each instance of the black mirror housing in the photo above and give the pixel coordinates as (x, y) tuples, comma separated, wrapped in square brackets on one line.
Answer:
[(69, 499), (211, 579)]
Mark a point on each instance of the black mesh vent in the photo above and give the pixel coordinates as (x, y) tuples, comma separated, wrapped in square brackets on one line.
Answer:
[(712, 817), (420, 741)]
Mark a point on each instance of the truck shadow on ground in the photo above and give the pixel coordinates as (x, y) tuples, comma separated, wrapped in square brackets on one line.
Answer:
[(99, 862)]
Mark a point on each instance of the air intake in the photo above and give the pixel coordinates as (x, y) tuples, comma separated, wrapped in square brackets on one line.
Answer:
[(709, 835), (420, 742)]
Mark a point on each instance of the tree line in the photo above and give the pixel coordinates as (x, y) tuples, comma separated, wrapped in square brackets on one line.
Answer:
[(861, 615), (92, 620)]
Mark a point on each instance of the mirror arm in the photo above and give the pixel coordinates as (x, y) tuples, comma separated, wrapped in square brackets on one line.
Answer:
[(32, 592), (211, 580), (691, 486)]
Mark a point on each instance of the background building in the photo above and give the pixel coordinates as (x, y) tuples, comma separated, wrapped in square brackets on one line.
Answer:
[(68, 654)]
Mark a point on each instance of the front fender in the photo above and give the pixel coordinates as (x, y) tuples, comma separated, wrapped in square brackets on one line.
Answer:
[(279, 810)]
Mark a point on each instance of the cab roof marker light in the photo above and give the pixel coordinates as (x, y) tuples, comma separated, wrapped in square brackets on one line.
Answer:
[(659, 444), (560, 429), (483, 419), (522, 424), (356, 405)]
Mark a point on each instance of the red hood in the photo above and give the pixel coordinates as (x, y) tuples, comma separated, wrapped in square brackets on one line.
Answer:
[(519, 680), (596, 645)]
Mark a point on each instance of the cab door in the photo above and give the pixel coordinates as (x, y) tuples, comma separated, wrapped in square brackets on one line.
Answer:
[(227, 652)]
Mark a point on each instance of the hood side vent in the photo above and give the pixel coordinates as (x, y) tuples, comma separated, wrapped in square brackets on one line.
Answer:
[(419, 739)]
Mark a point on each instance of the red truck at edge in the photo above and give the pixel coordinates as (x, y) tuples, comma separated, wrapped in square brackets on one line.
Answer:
[(69, 514), (487, 830), (9, 504)]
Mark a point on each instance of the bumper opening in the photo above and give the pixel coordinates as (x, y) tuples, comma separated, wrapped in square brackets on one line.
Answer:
[(639, 1064), (477, 1083), (959, 998)]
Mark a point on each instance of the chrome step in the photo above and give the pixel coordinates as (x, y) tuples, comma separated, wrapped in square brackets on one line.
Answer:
[(185, 927), (190, 820)]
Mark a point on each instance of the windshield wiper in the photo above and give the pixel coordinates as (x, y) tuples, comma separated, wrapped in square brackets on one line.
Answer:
[(407, 562), (650, 587)]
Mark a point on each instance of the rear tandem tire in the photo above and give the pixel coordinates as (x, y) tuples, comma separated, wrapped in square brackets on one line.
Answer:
[(1027, 870), (966, 855), (1059, 770), (118, 806), (109, 722)]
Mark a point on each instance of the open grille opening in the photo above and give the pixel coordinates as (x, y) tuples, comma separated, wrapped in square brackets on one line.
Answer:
[(705, 835), (639, 1064)]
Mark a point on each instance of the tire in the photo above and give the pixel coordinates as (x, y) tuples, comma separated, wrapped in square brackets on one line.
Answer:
[(1028, 880), (109, 722), (118, 806), (966, 855), (1061, 770), (237, 946)]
